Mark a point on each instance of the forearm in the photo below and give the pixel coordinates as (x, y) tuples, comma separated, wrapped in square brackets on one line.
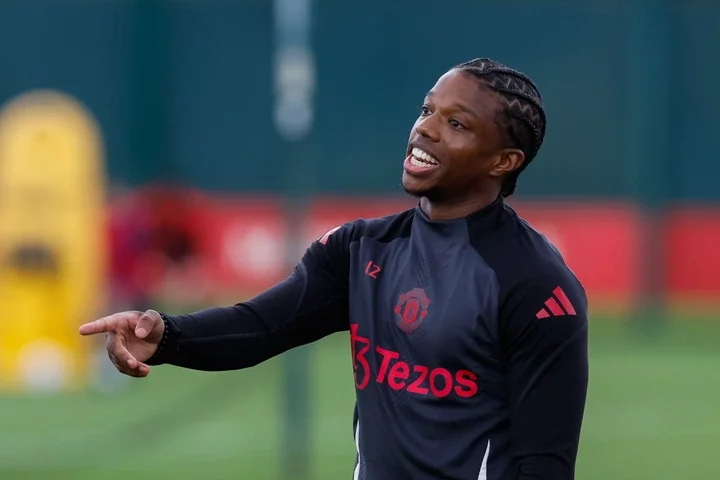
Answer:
[(215, 339), (295, 312)]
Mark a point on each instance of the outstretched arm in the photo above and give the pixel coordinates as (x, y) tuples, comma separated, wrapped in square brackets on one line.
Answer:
[(307, 306)]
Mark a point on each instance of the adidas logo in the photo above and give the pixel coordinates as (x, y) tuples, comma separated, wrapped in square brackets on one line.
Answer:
[(556, 306)]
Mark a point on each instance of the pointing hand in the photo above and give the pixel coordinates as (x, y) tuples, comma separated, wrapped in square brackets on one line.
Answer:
[(132, 338)]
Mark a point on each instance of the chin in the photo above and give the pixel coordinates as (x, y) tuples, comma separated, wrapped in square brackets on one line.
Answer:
[(412, 186), (413, 192), (417, 188)]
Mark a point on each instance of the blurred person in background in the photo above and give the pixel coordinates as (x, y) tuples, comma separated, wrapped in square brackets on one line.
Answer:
[(150, 239), (152, 236), (129, 239), (468, 331)]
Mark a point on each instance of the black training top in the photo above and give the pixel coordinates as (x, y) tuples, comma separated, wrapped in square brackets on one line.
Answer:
[(469, 343)]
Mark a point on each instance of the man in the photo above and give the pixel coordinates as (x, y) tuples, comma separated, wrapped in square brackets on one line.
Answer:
[(468, 332)]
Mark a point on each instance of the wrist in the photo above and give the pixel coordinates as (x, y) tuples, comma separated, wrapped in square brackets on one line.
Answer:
[(164, 345)]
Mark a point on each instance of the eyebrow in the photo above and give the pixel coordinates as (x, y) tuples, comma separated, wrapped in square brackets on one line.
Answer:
[(459, 106)]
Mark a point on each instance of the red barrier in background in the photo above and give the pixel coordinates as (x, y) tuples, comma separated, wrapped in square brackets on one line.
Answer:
[(240, 244), (692, 260), (244, 244)]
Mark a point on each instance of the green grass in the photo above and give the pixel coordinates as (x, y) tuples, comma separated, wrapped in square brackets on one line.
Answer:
[(652, 413)]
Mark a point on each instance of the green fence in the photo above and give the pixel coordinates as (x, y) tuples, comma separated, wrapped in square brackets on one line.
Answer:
[(184, 89)]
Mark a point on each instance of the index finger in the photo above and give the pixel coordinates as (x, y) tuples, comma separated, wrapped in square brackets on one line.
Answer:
[(105, 324)]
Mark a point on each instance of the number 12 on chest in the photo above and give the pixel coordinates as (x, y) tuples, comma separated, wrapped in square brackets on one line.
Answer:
[(372, 269)]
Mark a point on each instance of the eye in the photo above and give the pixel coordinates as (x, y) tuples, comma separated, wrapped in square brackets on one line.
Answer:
[(456, 124), (424, 110)]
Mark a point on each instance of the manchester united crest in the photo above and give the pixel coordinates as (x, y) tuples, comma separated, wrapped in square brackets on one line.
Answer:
[(411, 309)]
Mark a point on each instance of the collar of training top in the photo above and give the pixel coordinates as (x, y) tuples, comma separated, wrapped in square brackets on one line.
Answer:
[(484, 219)]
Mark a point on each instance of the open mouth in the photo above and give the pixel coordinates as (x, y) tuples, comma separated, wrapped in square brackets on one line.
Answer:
[(420, 158)]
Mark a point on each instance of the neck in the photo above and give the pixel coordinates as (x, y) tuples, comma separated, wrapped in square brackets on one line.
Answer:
[(450, 210)]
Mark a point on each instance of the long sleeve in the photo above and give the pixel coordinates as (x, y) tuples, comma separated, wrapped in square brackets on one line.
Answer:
[(307, 306), (545, 332)]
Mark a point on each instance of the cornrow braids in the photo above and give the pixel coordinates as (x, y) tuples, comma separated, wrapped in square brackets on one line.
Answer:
[(522, 117)]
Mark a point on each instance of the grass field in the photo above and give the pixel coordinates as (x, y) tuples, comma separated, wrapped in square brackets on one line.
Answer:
[(653, 412)]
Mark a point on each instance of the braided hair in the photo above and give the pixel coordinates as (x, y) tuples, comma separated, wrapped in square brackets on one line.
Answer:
[(522, 117)]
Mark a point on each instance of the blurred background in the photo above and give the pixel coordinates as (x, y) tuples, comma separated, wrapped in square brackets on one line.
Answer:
[(181, 154)]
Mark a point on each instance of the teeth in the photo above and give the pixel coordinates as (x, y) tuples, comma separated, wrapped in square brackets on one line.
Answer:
[(420, 163), (414, 161), (423, 158)]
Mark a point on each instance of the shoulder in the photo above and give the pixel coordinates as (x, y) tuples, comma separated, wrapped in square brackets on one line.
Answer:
[(523, 259), (332, 248), (382, 229), (535, 283), (330, 254)]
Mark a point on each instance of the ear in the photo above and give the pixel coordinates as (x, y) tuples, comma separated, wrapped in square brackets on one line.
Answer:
[(508, 161)]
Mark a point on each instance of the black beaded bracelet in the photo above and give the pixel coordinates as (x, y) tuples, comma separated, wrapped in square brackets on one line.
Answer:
[(163, 342)]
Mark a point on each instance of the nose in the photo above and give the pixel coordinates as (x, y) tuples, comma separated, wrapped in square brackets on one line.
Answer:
[(426, 128)]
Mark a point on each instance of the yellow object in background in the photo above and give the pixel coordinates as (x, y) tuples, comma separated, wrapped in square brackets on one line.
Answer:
[(52, 240)]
